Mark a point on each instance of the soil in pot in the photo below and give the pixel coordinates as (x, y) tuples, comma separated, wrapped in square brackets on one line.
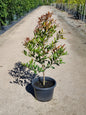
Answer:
[(47, 84)]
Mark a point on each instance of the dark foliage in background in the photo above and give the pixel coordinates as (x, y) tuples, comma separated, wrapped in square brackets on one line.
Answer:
[(11, 10)]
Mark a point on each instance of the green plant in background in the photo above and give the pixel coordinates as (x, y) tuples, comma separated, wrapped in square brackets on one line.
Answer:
[(76, 7), (71, 1), (13, 9), (3, 13), (43, 48)]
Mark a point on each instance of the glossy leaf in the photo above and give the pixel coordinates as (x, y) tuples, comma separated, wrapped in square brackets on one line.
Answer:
[(25, 52)]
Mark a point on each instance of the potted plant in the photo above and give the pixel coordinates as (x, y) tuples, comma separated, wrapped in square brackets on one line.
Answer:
[(44, 53)]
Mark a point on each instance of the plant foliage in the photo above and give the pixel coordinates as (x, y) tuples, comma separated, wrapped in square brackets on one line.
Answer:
[(44, 54)]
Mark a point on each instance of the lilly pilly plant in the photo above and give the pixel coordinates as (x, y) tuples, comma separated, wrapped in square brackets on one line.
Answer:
[(44, 54)]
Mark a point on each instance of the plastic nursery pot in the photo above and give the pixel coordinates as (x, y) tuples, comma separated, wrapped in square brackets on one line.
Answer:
[(43, 93)]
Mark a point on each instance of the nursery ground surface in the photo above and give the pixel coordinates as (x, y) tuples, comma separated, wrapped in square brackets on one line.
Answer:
[(70, 93)]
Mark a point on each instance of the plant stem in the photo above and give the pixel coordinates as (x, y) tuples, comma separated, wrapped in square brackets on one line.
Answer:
[(43, 79), (43, 76)]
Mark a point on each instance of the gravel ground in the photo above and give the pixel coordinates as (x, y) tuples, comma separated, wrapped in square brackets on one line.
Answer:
[(70, 93)]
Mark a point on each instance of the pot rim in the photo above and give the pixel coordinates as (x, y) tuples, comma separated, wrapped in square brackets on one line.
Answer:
[(48, 78)]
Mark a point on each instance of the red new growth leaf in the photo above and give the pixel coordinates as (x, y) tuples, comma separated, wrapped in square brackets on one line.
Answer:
[(58, 46), (26, 41), (63, 45)]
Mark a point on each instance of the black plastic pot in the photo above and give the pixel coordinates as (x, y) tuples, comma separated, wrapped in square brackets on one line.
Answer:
[(43, 94)]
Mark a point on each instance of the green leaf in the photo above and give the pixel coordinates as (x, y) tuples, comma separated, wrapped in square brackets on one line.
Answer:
[(40, 70), (60, 61), (31, 61), (25, 52), (27, 65), (65, 53), (35, 71), (52, 67), (23, 64)]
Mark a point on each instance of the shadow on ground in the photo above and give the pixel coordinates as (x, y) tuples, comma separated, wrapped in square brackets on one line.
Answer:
[(22, 76)]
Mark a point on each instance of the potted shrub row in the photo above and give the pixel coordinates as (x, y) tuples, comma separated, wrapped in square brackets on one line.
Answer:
[(44, 52)]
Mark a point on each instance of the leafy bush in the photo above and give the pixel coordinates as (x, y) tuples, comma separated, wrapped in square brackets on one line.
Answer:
[(44, 54), (3, 12)]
